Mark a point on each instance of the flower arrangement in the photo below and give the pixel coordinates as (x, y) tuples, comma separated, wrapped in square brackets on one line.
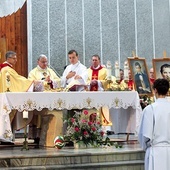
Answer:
[(145, 101), (84, 127)]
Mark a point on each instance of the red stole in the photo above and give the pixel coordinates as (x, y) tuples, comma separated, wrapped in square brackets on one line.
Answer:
[(95, 73), (130, 84), (4, 65)]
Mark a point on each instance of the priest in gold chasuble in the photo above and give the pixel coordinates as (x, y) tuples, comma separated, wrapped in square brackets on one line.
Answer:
[(43, 73), (11, 81), (97, 75)]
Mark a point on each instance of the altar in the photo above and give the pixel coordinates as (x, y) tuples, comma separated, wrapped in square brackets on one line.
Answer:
[(58, 101)]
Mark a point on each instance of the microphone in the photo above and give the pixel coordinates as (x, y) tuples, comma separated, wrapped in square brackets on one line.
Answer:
[(54, 71)]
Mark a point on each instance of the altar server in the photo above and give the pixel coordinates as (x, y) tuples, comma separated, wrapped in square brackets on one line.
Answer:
[(154, 131), (75, 71)]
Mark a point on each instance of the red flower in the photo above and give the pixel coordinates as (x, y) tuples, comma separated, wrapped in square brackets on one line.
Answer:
[(93, 129), (101, 133), (85, 112), (76, 129), (85, 133), (98, 123), (72, 120), (84, 121), (90, 123)]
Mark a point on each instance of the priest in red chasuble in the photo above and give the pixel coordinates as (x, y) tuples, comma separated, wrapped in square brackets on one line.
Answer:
[(97, 75), (97, 78)]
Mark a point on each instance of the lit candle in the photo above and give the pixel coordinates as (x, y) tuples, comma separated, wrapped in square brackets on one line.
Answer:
[(7, 79), (25, 114), (109, 71), (126, 69), (117, 71)]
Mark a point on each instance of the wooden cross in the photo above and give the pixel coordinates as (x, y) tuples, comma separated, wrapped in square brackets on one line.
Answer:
[(134, 54), (164, 54)]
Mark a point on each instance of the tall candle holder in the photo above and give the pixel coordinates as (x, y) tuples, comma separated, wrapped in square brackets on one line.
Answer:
[(25, 143), (126, 74), (109, 74), (126, 70), (117, 72)]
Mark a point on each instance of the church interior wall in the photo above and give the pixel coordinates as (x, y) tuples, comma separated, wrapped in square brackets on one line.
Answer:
[(112, 29)]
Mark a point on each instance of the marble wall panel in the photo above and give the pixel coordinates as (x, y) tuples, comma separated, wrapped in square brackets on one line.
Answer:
[(39, 30), (144, 31), (57, 35), (109, 31), (127, 29), (92, 29), (75, 27), (162, 27)]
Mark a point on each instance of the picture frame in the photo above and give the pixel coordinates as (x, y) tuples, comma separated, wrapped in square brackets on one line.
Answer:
[(161, 67), (140, 76)]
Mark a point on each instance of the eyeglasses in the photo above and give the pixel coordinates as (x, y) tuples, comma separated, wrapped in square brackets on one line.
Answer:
[(44, 62), (13, 58)]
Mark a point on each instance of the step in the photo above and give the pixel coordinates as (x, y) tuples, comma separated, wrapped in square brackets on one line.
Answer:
[(131, 165)]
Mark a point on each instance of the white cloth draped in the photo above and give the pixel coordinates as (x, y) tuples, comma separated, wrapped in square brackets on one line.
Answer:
[(7, 7), (72, 100)]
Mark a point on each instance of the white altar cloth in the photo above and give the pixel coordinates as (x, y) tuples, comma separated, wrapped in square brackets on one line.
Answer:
[(68, 100)]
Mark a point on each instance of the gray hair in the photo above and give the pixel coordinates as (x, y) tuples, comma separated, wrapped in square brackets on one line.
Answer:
[(41, 56), (9, 54)]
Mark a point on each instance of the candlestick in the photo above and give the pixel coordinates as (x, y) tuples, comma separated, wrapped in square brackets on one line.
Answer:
[(117, 71), (109, 70), (126, 69), (25, 143), (25, 114)]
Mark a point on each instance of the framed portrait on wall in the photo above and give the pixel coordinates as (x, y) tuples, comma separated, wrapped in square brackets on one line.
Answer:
[(161, 68), (140, 76)]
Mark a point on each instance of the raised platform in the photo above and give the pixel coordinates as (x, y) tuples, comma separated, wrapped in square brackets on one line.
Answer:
[(129, 157)]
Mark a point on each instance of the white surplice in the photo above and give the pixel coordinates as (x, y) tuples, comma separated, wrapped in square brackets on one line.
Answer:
[(80, 70), (154, 135)]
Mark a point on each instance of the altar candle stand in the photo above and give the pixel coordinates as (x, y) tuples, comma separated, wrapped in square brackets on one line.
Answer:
[(117, 72), (109, 73), (25, 143), (126, 74)]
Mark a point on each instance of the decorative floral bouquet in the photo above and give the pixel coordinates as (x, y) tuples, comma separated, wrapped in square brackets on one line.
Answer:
[(84, 127)]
